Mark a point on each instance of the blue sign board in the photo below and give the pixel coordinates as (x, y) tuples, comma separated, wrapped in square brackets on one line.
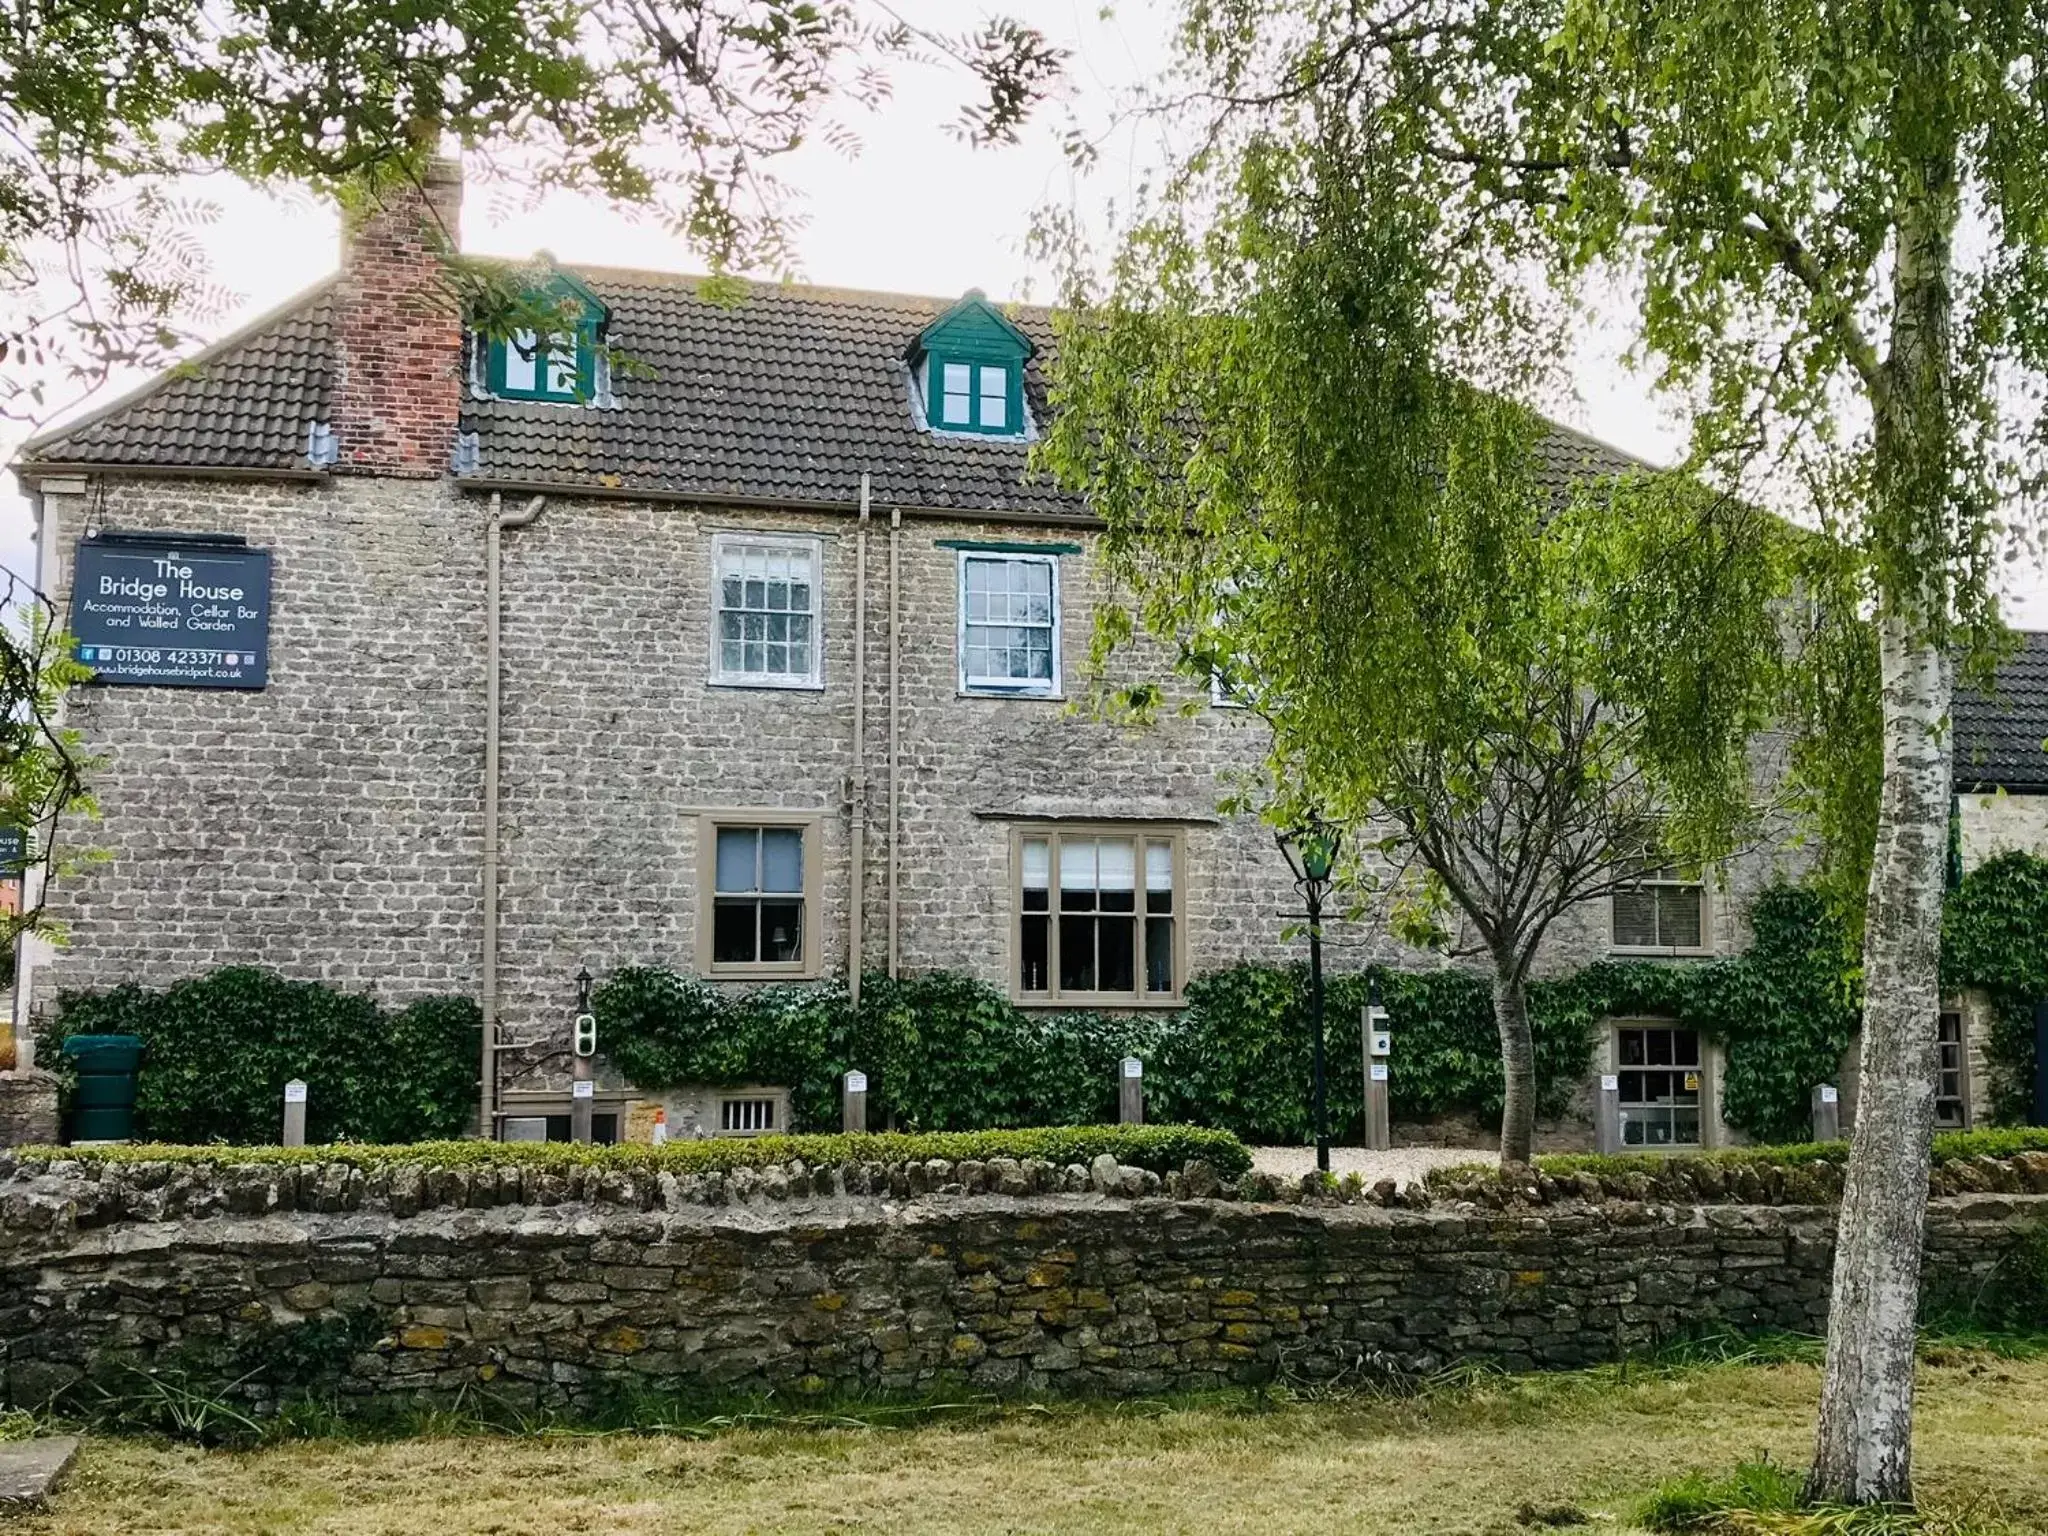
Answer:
[(13, 850), (187, 613)]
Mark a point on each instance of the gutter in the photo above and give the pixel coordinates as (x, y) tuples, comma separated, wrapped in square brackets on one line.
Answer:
[(581, 490), (895, 690), (500, 520), (30, 470)]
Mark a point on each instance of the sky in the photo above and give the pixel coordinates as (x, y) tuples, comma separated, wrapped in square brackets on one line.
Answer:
[(913, 211)]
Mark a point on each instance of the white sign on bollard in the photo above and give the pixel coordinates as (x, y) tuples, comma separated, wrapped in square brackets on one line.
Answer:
[(1133, 1067), (1379, 1071), (856, 1082), (1829, 1094), (1610, 1082), (295, 1092)]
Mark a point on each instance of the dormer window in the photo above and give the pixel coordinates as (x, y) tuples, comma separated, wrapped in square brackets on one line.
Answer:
[(564, 366), (969, 370), (525, 366), (977, 397)]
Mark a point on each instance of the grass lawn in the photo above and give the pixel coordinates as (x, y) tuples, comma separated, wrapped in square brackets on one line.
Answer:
[(1467, 1460)]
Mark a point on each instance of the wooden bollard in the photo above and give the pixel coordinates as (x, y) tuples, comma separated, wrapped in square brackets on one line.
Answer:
[(1130, 1092), (1827, 1112)]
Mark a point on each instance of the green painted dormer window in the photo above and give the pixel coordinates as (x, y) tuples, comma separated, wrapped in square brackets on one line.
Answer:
[(560, 366), (969, 365)]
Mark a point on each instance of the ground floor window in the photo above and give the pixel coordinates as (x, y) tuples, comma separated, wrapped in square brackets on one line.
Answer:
[(758, 880), (1660, 1071), (1951, 1110), (1098, 915)]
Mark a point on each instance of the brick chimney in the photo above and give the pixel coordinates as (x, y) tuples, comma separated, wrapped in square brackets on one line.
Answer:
[(398, 331)]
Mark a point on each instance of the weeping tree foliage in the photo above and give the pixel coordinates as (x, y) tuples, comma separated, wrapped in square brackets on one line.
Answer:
[(1829, 226), (1520, 691), (682, 107)]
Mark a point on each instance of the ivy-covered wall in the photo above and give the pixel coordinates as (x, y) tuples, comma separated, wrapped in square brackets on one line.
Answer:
[(946, 1052)]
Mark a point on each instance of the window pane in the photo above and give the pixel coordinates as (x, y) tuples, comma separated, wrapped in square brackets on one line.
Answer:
[(782, 929), (562, 370), (956, 409), (737, 847), (1037, 870), (1659, 1043), (1635, 919), (1632, 1047), (1116, 865), (521, 361), (1116, 953), (1680, 912), (1159, 954), (1036, 967), (782, 859), (995, 396), (1077, 954), (1685, 1048), (1077, 864), (734, 925)]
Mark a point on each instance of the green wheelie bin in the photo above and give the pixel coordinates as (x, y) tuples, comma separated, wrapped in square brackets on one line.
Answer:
[(105, 1065)]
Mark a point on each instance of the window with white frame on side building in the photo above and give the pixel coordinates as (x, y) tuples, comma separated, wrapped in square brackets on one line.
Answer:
[(1664, 1099), (766, 618), (1099, 915), (1663, 912), (1009, 637)]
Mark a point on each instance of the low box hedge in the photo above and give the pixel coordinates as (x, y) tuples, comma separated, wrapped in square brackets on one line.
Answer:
[(1796, 1174), (1161, 1148)]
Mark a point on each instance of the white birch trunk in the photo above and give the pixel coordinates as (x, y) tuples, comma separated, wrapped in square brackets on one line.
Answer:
[(1863, 1447), (1863, 1444)]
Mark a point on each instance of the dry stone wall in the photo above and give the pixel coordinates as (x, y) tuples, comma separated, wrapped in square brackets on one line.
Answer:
[(564, 1287)]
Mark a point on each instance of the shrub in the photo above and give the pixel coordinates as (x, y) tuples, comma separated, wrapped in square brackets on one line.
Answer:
[(221, 1047), (1161, 1148)]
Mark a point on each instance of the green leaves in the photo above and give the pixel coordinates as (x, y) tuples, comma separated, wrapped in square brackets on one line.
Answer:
[(221, 1047)]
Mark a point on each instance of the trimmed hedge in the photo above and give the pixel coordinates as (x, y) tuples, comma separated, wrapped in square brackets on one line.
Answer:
[(1162, 1149), (1950, 1148)]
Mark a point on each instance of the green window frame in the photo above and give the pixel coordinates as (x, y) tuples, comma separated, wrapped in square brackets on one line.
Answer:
[(989, 392), (550, 378)]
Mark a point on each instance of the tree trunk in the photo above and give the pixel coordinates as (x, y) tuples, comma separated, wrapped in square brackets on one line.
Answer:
[(1863, 1442), (1518, 1063), (1863, 1446)]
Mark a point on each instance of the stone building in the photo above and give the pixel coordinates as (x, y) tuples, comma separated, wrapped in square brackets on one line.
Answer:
[(779, 682)]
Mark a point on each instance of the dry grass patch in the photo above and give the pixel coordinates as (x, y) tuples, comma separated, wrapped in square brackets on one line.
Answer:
[(1476, 1462)]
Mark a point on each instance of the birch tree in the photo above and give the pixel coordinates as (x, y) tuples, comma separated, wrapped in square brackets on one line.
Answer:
[(1829, 223)]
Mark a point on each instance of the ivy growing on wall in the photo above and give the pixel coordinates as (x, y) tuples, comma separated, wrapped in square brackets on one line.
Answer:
[(1994, 939), (946, 1052)]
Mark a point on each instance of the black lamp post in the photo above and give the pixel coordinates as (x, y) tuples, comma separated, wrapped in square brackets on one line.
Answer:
[(1310, 847)]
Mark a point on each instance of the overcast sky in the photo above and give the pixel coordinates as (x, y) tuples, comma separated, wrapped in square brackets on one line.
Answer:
[(915, 211)]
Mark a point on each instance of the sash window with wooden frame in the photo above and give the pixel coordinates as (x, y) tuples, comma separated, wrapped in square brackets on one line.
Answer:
[(1009, 623), (1663, 911), (1099, 915), (766, 612), (758, 872)]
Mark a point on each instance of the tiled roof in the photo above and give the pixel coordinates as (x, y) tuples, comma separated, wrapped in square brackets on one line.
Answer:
[(790, 394), (1999, 733), (245, 402)]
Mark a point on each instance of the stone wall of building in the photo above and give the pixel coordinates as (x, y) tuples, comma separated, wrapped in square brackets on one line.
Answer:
[(330, 825), (619, 1286)]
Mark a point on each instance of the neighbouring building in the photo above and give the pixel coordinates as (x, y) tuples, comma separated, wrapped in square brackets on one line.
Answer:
[(786, 638)]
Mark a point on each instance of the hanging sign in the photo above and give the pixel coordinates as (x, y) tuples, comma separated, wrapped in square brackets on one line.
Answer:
[(182, 613)]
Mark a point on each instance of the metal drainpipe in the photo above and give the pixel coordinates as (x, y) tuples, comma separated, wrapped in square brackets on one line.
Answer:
[(487, 1093), (858, 793), (895, 692)]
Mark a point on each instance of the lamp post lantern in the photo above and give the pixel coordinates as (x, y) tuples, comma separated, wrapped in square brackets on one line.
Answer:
[(1310, 848)]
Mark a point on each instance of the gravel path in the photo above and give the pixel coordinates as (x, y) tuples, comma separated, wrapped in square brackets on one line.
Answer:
[(1404, 1165)]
